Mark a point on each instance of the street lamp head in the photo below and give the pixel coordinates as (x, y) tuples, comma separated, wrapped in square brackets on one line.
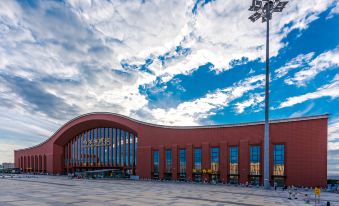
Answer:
[(264, 9)]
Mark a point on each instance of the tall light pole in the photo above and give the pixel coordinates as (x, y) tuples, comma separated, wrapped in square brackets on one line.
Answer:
[(263, 9)]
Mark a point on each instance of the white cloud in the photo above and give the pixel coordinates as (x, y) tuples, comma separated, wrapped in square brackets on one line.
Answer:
[(190, 113), (333, 131), (219, 33), (334, 11), (328, 90), (296, 63), (302, 113), (325, 61), (253, 100), (333, 146), (6, 151), (142, 28)]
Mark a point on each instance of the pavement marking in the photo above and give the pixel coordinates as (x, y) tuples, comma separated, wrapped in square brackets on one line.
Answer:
[(215, 201), (43, 182)]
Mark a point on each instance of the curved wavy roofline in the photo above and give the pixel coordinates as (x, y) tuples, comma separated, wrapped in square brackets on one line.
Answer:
[(322, 116)]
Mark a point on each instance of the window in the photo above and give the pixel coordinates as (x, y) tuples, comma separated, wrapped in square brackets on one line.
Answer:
[(279, 160), (103, 147), (106, 144), (99, 146), (215, 159), (90, 153), (118, 147), (126, 149), (79, 149), (84, 151), (122, 148), (72, 153), (131, 149), (114, 146), (254, 164), (197, 160), (168, 161), (156, 164), (95, 152), (214, 165), (182, 163), (234, 160), (109, 146), (234, 165), (135, 149), (254, 160)]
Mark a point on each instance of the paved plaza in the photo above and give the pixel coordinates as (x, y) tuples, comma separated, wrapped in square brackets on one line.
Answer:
[(53, 190)]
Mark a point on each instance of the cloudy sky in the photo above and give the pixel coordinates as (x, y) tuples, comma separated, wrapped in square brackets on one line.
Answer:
[(177, 62)]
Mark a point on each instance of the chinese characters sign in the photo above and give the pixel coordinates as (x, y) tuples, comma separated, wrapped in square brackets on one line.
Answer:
[(97, 142)]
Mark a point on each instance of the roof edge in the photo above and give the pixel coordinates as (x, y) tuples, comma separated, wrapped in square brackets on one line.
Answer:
[(322, 116)]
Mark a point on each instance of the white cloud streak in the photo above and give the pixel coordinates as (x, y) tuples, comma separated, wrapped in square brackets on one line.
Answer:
[(298, 62), (253, 100), (328, 90), (190, 113), (323, 62)]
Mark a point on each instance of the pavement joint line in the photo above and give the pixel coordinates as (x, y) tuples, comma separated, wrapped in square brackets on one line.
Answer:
[(43, 182), (216, 201)]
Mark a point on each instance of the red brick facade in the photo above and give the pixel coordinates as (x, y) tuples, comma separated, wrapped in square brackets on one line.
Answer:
[(304, 139)]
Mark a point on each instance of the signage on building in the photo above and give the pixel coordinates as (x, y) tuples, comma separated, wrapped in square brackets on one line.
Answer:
[(97, 142)]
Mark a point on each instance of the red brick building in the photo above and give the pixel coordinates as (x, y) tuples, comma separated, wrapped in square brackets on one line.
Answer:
[(222, 153)]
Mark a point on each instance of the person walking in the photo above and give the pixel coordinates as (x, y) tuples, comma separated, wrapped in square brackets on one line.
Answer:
[(289, 193), (275, 185)]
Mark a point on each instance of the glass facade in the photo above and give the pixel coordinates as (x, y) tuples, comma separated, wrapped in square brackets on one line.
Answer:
[(214, 164), (255, 160), (101, 147), (197, 165), (279, 164), (234, 165), (255, 164), (155, 164), (197, 159), (115, 147), (168, 164), (279, 160), (215, 159), (168, 161), (182, 164)]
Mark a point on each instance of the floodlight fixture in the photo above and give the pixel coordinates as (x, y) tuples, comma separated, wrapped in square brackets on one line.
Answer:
[(264, 9)]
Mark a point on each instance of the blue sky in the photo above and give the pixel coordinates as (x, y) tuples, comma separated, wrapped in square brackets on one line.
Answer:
[(165, 62)]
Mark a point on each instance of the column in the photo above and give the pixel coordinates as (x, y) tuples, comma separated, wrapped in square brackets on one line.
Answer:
[(189, 162), (45, 164), (123, 136), (162, 160), (87, 149), (129, 151), (96, 159), (206, 163), (243, 161), (223, 161), (133, 156), (175, 162)]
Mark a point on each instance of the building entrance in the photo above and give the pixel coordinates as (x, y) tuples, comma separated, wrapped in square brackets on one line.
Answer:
[(104, 173)]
